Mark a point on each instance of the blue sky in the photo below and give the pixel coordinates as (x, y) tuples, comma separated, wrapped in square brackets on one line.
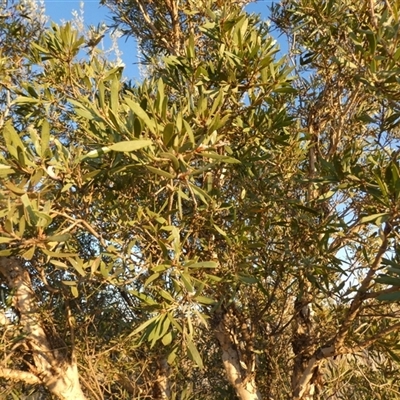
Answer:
[(59, 10)]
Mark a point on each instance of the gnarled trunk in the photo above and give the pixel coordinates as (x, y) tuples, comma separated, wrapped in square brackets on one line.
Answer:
[(236, 343), (59, 374)]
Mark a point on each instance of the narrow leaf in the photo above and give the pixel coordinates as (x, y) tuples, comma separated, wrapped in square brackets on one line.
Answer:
[(194, 353), (395, 296), (135, 107), (373, 218), (130, 145), (204, 264), (160, 172)]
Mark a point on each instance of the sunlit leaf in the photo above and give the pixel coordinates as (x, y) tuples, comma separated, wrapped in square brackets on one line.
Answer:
[(135, 107), (194, 353), (204, 264), (204, 300), (130, 145), (378, 218), (160, 172), (6, 239), (59, 238), (28, 254)]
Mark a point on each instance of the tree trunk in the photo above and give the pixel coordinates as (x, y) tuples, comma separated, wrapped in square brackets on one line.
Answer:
[(161, 389), (58, 373), (237, 355), (304, 345)]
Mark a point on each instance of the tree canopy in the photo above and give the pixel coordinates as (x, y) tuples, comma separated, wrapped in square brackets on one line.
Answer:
[(226, 228)]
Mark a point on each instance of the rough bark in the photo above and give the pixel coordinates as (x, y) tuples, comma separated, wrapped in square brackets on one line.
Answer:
[(238, 358), (58, 373)]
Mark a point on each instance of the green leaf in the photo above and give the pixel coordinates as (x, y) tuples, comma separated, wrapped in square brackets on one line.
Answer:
[(44, 219), (4, 170), (143, 297), (371, 37), (96, 153), (168, 134), (396, 55), (163, 293), (115, 83), (73, 287), (58, 254), (151, 278), (29, 253), (78, 265), (130, 145), (219, 230), (59, 238), (204, 300), (225, 159), (204, 264), (392, 297), (45, 139), (172, 355), (15, 189), (193, 353), (30, 215), (394, 270), (6, 240), (13, 141), (162, 328), (25, 100), (74, 291), (170, 156), (175, 323), (377, 218), (388, 280), (143, 326), (200, 193), (160, 172), (59, 264), (305, 208), (167, 339), (135, 107), (83, 112), (251, 280), (187, 281)]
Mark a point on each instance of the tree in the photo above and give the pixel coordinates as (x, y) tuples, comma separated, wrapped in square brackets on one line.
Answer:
[(226, 227)]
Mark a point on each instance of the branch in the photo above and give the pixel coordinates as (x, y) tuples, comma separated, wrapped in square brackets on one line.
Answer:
[(82, 224), (340, 240), (21, 376), (337, 134), (378, 336), (374, 18), (152, 27), (337, 347), (321, 354), (60, 377), (172, 5), (374, 295), (313, 363), (8, 106), (24, 301), (332, 351), (362, 291)]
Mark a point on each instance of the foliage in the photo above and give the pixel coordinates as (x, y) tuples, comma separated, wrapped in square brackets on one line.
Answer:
[(228, 183)]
